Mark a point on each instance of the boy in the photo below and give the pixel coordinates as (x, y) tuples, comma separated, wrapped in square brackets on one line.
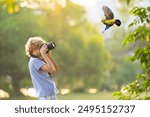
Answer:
[(41, 67)]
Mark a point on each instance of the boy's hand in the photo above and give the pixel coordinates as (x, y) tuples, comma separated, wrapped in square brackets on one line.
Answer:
[(44, 49)]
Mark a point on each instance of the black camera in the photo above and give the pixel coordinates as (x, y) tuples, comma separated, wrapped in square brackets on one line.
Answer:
[(51, 45)]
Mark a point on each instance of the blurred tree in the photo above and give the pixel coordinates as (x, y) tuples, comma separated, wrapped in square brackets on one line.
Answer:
[(15, 30)]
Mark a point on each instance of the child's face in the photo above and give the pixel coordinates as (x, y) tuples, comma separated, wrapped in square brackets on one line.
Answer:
[(36, 51)]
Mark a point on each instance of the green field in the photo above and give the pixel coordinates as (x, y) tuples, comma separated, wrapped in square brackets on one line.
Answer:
[(76, 96), (87, 96)]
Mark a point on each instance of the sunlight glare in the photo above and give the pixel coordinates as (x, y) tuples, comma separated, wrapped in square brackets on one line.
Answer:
[(3, 94), (28, 92), (31, 92), (64, 91), (92, 90)]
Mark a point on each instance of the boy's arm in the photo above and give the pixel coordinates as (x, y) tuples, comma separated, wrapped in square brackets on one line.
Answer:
[(48, 67), (53, 62)]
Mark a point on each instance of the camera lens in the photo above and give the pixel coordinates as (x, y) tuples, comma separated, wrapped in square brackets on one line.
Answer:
[(51, 45)]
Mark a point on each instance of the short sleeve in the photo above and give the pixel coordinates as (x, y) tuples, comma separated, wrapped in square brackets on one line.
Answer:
[(38, 64)]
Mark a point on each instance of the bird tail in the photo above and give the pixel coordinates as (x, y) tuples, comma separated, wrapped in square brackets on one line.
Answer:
[(106, 28), (117, 22)]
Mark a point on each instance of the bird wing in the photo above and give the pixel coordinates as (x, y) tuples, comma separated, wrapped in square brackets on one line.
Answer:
[(108, 13)]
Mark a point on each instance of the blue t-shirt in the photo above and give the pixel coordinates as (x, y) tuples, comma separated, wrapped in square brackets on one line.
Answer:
[(42, 81)]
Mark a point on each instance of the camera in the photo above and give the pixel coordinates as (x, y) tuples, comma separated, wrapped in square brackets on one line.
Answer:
[(51, 45)]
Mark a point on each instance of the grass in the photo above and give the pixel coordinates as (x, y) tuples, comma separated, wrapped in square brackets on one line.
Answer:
[(75, 96), (87, 96)]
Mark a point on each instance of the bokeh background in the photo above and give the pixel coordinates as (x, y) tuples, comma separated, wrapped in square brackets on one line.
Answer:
[(93, 64)]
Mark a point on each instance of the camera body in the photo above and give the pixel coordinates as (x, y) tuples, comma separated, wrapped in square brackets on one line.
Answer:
[(51, 45)]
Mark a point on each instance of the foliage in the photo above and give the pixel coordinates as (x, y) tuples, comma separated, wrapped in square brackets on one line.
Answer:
[(14, 32), (140, 33), (11, 6)]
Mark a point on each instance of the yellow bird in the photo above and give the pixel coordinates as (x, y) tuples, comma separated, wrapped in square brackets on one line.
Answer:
[(109, 21)]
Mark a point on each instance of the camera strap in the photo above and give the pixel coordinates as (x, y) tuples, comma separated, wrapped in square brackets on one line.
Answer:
[(37, 57)]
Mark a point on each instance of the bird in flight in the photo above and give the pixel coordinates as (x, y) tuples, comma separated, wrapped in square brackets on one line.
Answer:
[(109, 21)]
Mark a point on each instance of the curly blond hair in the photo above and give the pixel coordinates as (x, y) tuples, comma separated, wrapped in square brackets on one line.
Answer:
[(33, 43)]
